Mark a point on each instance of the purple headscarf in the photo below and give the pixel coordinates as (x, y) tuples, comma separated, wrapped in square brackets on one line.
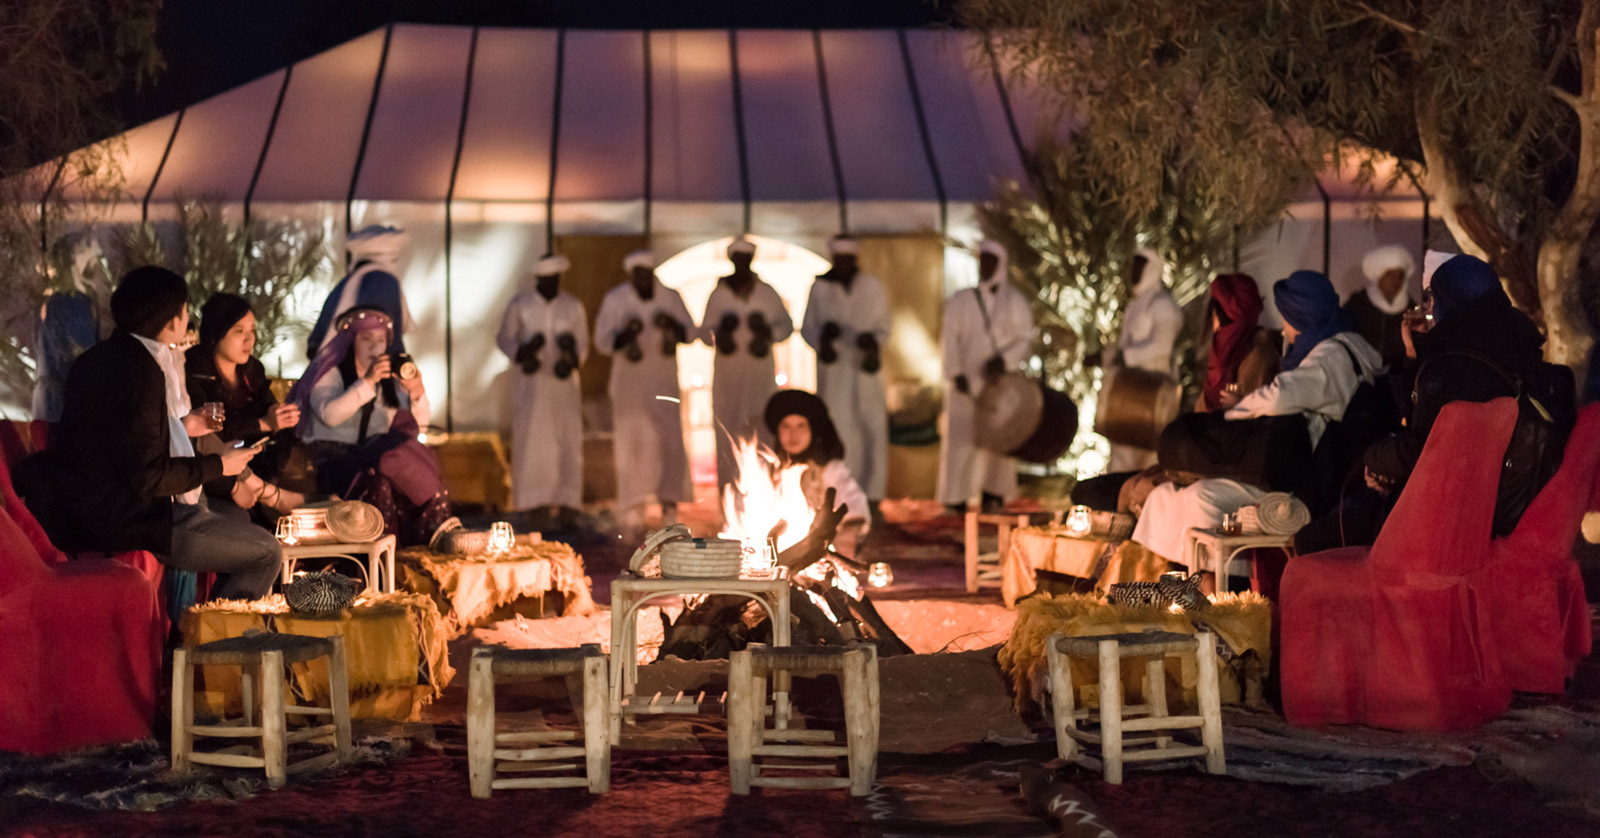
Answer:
[(351, 323)]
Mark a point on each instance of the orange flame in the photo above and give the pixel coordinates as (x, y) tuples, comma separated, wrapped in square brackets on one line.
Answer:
[(764, 502)]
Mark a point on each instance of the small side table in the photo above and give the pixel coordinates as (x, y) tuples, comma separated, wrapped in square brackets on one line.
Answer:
[(629, 593), (1214, 550), (379, 557)]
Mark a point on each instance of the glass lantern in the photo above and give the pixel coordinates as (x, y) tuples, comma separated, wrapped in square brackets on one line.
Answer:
[(879, 575), (286, 531), (501, 538), (1078, 521)]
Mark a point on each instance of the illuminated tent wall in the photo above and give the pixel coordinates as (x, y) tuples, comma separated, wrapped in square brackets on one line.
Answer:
[(487, 143)]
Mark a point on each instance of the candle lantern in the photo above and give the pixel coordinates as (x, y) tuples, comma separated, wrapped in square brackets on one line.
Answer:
[(501, 538), (1078, 521), (879, 575), (286, 531)]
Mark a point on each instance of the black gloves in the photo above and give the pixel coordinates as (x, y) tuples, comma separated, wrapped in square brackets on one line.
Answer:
[(528, 354), (994, 368), (826, 353), (962, 386), (871, 358), (760, 335), (568, 345), (627, 340), (672, 332), (724, 334)]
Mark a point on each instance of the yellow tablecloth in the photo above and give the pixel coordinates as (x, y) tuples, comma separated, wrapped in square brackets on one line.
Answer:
[(1053, 549), (395, 652), (471, 588), (1243, 621)]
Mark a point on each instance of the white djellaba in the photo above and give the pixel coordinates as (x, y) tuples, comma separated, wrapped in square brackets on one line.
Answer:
[(547, 414), (966, 343)]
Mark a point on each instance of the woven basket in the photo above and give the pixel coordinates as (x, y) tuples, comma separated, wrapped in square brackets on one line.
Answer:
[(310, 524), (322, 592), (701, 558)]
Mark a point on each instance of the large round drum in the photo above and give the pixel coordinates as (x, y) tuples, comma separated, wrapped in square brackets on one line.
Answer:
[(1135, 405), (1022, 418)]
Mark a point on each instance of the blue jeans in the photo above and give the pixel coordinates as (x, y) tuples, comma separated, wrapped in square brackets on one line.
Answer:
[(246, 558)]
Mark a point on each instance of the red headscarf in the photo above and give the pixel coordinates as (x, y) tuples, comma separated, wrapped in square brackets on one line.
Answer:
[(1237, 299)]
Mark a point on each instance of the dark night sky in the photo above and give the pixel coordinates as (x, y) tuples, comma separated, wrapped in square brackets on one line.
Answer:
[(213, 45)]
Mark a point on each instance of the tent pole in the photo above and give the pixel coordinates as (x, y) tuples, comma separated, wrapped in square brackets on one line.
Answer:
[(449, 238), (833, 139), (649, 134), (922, 128), (366, 133), (266, 143), (1005, 103), (144, 208), (555, 142), (1327, 229), (738, 125)]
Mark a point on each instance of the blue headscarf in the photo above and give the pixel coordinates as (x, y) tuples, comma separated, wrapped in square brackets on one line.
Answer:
[(1462, 280), (1307, 301)]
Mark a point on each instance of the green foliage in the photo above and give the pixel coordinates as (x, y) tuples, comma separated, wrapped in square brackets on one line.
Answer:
[(1072, 234), (263, 261), (1484, 93)]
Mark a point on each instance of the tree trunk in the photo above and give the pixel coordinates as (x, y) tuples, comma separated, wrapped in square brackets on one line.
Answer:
[(1568, 330)]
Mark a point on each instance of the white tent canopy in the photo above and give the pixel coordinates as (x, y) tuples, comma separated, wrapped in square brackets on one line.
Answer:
[(486, 143)]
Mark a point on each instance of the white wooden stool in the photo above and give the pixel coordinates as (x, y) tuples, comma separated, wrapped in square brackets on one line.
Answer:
[(262, 658), (490, 753), (378, 556), (985, 568), (1115, 719), (748, 736)]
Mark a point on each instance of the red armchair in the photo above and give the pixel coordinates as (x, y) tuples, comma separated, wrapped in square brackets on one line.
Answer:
[(1400, 635), (1534, 586), (81, 656)]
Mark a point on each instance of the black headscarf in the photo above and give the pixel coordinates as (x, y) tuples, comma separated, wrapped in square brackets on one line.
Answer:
[(218, 315), (825, 444)]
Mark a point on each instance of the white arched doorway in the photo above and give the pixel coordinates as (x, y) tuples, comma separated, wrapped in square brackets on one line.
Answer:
[(789, 269)]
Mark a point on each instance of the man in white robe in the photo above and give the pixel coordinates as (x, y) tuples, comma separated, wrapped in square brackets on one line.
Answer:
[(744, 318), (987, 332), (1150, 327), (546, 334), (847, 323), (641, 322)]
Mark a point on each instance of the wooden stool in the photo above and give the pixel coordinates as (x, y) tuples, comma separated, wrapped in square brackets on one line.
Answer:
[(262, 658), (857, 667), (985, 568), (1115, 720), (489, 752)]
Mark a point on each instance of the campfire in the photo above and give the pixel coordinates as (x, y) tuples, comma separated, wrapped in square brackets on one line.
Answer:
[(766, 509)]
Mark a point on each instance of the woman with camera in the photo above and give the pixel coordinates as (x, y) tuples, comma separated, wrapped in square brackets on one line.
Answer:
[(366, 408)]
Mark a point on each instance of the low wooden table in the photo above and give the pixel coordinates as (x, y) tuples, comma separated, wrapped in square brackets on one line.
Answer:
[(376, 556), (629, 593), (1052, 548), (471, 589), (396, 654), (1215, 550)]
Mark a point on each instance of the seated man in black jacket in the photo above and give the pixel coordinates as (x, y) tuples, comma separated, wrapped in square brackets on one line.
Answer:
[(1475, 347), (122, 474)]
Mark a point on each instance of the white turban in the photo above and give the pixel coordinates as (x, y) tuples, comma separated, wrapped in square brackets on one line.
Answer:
[(1384, 259), (552, 265), (1431, 262), (376, 242), (740, 244), (639, 259), (843, 246)]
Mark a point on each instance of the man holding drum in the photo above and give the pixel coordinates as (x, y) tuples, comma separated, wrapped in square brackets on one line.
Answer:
[(988, 331), (1150, 327)]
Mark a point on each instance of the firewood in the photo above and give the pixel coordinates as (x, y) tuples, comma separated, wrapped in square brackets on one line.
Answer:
[(815, 627), (887, 641)]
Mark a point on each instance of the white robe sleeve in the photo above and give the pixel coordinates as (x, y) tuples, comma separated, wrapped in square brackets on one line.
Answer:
[(334, 403), (1323, 384), (875, 304), (952, 337), (777, 314), (672, 304), (1164, 321), (836, 475), (577, 322), (816, 317), (421, 409), (609, 321), (510, 337), (716, 306), (1014, 330)]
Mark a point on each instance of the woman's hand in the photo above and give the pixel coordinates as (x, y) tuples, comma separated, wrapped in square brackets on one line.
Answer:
[(1227, 398), (1378, 483), (413, 387), (194, 424), (378, 371), (280, 417)]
